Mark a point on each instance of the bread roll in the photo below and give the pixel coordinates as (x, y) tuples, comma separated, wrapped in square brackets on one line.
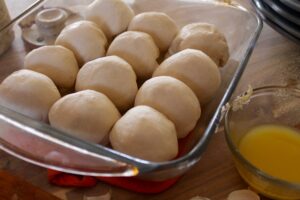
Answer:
[(196, 70), (172, 98), (29, 93), (88, 115), (138, 49), (204, 37), (112, 76), (160, 26), (56, 62), (112, 16), (145, 133), (85, 39)]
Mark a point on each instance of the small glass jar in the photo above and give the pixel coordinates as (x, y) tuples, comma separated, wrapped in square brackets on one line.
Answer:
[(277, 105), (6, 35)]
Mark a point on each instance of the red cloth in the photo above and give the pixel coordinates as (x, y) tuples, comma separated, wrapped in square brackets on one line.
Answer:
[(129, 183)]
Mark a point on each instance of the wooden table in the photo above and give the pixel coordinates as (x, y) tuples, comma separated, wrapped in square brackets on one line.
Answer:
[(275, 60)]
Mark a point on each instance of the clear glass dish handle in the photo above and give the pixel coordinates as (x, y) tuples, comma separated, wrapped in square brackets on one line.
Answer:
[(45, 146)]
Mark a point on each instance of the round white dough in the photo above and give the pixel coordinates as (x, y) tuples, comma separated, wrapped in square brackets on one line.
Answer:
[(244, 194), (196, 70), (85, 39), (112, 16), (88, 115), (172, 98), (112, 76), (204, 37), (138, 49), (145, 133), (56, 62), (29, 93), (160, 26)]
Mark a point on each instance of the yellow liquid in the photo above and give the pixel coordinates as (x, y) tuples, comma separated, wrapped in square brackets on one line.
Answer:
[(274, 150)]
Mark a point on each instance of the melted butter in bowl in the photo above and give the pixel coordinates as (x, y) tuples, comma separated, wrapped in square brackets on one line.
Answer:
[(275, 150), (266, 145)]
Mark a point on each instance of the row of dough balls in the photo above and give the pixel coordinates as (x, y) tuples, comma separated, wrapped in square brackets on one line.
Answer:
[(115, 78), (166, 108), (132, 47), (149, 35), (114, 17), (67, 106)]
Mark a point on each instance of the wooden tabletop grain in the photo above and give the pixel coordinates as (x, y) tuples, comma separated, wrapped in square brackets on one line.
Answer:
[(275, 60)]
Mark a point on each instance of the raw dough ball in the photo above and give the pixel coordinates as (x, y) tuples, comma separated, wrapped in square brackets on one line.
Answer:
[(88, 115), (243, 194), (112, 16), (85, 39), (145, 133), (112, 76), (204, 37), (172, 98), (56, 62), (157, 24), (29, 93), (196, 70), (138, 49)]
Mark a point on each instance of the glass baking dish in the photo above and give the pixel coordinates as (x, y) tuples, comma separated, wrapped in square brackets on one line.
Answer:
[(48, 147)]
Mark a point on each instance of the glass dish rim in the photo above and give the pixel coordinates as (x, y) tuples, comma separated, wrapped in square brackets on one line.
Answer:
[(237, 154), (146, 166)]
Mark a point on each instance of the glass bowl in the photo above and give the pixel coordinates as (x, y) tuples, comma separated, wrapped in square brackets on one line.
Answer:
[(46, 146), (267, 105)]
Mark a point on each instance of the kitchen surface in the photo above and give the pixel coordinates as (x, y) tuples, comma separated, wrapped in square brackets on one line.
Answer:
[(274, 61)]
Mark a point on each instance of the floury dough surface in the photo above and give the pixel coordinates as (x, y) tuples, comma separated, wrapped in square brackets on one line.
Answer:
[(112, 16), (160, 26), (145, 133), (112, 76), (172, 98), (196, 70), (84, 39), (204, 37), (88, 115), (29, 93), (56, 62), (139, 50)]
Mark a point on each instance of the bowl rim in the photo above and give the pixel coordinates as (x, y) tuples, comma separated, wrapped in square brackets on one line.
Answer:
[(233, 148)]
